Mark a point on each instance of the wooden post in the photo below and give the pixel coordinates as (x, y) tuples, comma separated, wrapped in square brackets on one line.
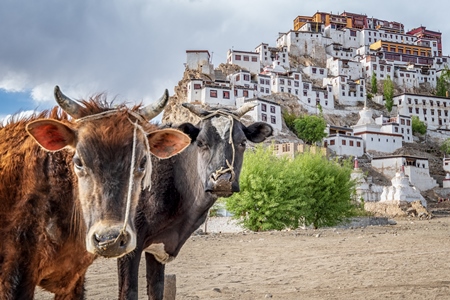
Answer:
[(170, 286)]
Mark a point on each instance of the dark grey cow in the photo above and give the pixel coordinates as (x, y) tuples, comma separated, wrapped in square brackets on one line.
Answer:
[(183, 190)]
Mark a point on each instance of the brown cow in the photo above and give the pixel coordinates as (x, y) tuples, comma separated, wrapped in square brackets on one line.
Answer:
[(74, 195)]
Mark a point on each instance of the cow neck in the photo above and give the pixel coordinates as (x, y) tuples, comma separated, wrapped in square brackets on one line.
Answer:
[(230, 168), (147, 178)]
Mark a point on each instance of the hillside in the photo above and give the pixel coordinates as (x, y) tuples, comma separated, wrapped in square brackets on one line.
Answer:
[(340, 116)]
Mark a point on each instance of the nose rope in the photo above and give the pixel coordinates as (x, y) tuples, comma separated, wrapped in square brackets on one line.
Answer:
[(230, 168)]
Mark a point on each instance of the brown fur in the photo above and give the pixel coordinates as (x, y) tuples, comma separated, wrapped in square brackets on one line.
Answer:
[(41, 226)]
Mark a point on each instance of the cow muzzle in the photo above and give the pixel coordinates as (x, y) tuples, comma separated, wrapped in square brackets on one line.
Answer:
[(110, 242), (222, 185)]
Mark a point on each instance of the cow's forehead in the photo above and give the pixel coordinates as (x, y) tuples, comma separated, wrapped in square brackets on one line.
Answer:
[(222, 125)]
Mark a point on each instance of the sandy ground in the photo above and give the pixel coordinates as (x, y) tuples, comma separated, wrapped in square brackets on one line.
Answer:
[(409, 260)]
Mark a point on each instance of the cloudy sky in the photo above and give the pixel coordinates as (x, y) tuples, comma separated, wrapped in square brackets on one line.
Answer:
[(134, 49)]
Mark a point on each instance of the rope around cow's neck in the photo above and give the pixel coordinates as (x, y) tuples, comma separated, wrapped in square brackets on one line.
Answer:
[(230, 168)]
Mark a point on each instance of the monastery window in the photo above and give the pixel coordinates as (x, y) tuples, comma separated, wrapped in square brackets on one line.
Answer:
[(416, 101), (238, 77), (326, 103), (431, 102), (261, 90), (344, 142), (432, 112), (245, 93), (289, 90), (306, 86), (374, 66), (237, 57), (388, 68), (417, 110), (399, 101), (325, 96), (382, 68), (423, 102), (432, 119), (439, 112), (296, 91), (314, 70), (281, 81), (351, 143), (273, 120), (282, 89), (246, 58), (379, 139), (267, 81), (289, 82), (358, 144), (213, 93), (296, 84), (296, 77), (197, 86), (409, 101), (410, 110), (332, 142), (407, 131), (424, 111), (370, 40), (343, 93), (305, 93), (381, 75), (445, 113), (396, 129), (246, 77), (402, 75), (235, 93), (309, 100), (408, 122), (254, 59), (402, 121), (407, 75), (264, 117), (425, 119), (267, 90), (261, 81), (438, 103), (371, 139)]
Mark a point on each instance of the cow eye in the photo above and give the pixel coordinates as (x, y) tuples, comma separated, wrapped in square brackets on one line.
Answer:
[(243, 144), (201, 144), (77, 162), (142, 164)]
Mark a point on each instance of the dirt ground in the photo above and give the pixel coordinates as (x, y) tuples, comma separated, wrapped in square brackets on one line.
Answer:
[(409, 260)]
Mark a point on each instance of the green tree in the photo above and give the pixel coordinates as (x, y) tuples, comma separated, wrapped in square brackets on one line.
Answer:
[(445, 147), (443, 83), (418, 126), (278, 193), (373, 81), (310, 128), (289, 119), (388, 93)]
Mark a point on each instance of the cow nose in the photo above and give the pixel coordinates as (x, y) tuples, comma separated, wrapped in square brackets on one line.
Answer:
[(225, 177), (110, 242)]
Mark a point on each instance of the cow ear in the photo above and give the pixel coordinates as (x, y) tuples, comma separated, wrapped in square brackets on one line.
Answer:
[(167, 142), (258, 132), (51, 135), (190, 130)]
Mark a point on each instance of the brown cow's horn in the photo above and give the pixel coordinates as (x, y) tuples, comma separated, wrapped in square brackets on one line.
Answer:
[(245, 109), (196, 110), (71, 107), (152, 110)]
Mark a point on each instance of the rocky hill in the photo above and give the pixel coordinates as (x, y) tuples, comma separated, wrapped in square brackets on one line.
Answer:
[(424, 146)]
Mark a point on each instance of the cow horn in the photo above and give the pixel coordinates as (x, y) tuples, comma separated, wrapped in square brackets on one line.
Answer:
[(198, 111), (245, 109), (152, 110), (71, 107)]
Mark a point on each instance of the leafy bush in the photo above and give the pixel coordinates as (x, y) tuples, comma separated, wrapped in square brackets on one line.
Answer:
[(278, 193)]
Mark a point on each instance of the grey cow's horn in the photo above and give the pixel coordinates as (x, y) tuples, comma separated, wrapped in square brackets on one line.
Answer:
[(152, 110), (245, 109), (196, 110), (71, 107)]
